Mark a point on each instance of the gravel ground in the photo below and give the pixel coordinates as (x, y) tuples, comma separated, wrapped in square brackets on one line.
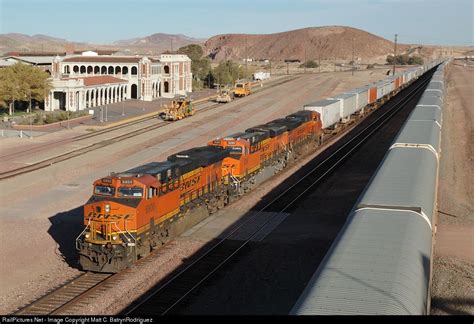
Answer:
[(41, 212), (452, 289)]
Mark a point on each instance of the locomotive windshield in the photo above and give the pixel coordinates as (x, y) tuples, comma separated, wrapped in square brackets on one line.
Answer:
[(104, 190), (130, 192)]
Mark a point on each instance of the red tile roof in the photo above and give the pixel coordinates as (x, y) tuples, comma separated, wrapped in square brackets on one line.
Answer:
[(103, 59), (99, 79)]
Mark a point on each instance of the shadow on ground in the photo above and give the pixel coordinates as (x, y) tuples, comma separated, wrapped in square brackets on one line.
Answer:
[(64, 229)]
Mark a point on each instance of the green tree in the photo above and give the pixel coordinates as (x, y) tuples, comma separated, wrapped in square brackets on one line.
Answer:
[(22, 82), (200, 66), (227, 72), (415, 60), (193, 51), (404, 59)]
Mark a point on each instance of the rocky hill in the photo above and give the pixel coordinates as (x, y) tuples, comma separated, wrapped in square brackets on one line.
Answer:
[(310, 43)]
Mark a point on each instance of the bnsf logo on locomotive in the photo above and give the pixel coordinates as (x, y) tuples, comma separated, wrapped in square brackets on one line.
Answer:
[(108, 216), (190, 182)]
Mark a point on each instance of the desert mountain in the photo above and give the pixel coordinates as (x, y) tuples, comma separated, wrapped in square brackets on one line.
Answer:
[(327, 43), (154, 44), (159, 42), (22, 42), (310, 43)]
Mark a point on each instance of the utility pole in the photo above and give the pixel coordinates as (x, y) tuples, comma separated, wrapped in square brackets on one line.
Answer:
[(304, 62), (67, 112), (395, 54), (319, 60), (353, 56), (246, 58)]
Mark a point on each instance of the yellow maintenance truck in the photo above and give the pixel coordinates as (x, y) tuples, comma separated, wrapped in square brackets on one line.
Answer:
[(242, 88)]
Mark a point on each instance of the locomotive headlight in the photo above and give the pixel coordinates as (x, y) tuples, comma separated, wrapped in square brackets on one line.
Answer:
[(107, 208), (114, 237), (87, 235)]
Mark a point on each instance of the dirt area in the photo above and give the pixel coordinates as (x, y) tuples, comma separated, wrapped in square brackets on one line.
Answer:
[(452, 289), (41, 212)]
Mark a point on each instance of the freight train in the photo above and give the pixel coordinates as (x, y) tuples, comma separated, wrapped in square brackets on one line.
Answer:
[(133, 212), (381, 261)]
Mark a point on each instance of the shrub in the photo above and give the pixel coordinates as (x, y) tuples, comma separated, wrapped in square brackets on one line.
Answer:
[(309, 64)]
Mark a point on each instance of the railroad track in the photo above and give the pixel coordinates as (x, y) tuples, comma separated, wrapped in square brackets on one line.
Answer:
[(74, 153), (168, 295), (82, 290), (61, 296)]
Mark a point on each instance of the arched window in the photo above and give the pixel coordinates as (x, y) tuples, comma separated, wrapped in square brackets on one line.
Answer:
[(125, 70), (96, 69), (89, 69), (83, 69), (167, 70), (111, 70), (75, 69), (66, 69), (134, 70), (167, 86), (103, 70), (118, 70)]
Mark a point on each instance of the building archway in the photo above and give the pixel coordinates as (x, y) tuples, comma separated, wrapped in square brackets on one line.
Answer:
[(134, 91)]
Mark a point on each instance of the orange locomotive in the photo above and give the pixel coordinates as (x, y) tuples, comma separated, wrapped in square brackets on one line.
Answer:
[(131, 213)]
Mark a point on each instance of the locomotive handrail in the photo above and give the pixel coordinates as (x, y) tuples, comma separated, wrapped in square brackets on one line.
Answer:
[(85, 229)]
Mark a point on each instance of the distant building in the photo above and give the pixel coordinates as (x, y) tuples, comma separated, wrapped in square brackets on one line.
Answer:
[(90, 80)]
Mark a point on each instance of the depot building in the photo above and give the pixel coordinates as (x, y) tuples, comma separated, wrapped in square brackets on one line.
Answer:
[(90, 80)]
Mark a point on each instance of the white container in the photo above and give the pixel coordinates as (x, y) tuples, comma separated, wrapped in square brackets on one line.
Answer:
[(330, 111), (362, 97), (348, 105)]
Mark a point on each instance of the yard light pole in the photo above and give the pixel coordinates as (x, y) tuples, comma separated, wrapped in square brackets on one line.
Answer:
[(31, 127), (352, 56), (395, 54)]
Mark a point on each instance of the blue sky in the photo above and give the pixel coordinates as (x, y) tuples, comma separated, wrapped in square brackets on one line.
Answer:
[(444, 22)]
